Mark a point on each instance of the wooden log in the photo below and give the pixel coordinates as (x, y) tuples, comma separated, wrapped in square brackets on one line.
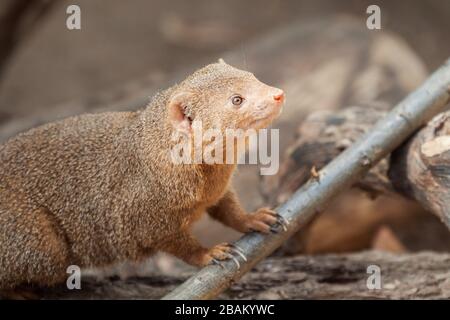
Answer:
[(419, 170), (406, 276)]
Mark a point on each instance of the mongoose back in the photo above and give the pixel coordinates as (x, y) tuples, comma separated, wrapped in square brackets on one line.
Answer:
[(97, 189)]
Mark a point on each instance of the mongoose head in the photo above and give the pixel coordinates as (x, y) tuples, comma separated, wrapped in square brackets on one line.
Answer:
[(223, 97)]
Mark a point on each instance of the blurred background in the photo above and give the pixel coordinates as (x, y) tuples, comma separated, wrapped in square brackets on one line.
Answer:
[(44, 63), (127, 50)]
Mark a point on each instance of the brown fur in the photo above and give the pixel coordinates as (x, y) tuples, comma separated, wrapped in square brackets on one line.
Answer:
[(97, 189)]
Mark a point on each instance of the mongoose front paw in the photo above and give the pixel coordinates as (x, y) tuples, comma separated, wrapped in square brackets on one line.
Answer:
[(265, 220), (217, 254)]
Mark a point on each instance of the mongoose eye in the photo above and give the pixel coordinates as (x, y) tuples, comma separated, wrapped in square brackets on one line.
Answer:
[(237, 100)]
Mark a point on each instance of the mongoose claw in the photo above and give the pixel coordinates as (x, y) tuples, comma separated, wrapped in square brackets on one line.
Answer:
[(282, 221), (238, 251), (230, 256), (274, 230), (216, 262)]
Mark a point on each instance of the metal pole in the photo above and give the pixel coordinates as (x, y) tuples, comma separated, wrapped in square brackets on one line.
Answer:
[(409, 115)]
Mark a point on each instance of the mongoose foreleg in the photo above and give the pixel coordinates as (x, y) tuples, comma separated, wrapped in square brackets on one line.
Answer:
[(188, 249), (230, 212)]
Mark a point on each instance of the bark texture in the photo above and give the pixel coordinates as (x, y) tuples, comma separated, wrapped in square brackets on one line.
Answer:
[(421, 168)]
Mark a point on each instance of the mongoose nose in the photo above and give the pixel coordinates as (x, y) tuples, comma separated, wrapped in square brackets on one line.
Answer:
[(279, 97)]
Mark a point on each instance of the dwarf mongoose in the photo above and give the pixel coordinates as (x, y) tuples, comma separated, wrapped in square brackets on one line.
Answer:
[(96, 189)]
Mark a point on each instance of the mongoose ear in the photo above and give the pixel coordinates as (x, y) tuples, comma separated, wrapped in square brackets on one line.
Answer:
[(221, 61), (178, 115)]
